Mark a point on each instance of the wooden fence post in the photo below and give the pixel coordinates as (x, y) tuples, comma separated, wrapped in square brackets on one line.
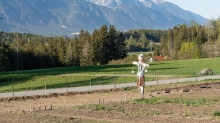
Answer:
[(13, 90)]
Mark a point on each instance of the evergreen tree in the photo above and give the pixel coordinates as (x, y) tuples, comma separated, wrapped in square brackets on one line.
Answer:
[(101, 45), (86, 51), (214, 30), (132, 44), (111, 44), (143, 41), (103, 39), (16, 55), (121, 49), (61, 50), (95, 47), (69, 54), (156, 51), (41, 54), (52, 52), (76, 52), (170, 40), (4, 57), (28, 55), (85, 57), (164, 46)]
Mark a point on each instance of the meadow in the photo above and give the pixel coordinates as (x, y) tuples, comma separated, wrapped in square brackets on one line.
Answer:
[(103, 74)]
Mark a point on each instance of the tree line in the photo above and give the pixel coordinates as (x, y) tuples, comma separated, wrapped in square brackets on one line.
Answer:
[(191, 41), (142, 39), (28, 51), (185, 41)]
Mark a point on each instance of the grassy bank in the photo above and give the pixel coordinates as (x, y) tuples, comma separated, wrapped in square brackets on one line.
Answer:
[(97, 75)]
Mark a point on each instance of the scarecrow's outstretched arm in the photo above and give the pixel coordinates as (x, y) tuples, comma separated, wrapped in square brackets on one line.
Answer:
[(135, 63), (146, 65)]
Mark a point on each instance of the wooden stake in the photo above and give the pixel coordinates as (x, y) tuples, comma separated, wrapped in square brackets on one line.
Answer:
[(66, 85), (90, 84), (115, 83), (45, 91), (13, 90), (157, 79)]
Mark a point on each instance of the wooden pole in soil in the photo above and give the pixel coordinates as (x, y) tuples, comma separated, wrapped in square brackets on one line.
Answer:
[(13, 90), (177, 78), (90, 84), (156, 77), (66, 85), (113, 80), (45, 92)]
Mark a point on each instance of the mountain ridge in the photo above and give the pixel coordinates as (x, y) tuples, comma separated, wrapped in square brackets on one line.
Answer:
[(64, 17)]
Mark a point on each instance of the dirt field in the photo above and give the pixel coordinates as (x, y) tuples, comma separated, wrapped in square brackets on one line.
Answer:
[(115, 105)]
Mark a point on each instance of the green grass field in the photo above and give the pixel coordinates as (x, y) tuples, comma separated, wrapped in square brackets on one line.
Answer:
[(97, 75)]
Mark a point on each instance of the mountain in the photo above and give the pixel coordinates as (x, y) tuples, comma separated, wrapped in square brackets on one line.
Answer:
[(64, 17), (154, 4)]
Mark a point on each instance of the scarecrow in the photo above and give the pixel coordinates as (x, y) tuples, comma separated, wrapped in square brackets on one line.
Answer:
[(140, 74)]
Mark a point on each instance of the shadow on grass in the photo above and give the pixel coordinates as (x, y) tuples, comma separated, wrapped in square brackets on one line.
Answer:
[(7, 78), (10, 80), (96, 81)]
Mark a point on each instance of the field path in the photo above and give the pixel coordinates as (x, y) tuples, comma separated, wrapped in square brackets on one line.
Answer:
[(100, 87)]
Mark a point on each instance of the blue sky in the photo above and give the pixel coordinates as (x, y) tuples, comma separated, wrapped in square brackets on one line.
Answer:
[(206, 8)]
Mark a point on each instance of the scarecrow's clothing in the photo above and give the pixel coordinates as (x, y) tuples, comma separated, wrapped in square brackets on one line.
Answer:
[(140, 81)]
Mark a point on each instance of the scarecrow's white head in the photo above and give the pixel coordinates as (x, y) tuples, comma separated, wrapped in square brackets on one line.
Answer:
[(140, 57)]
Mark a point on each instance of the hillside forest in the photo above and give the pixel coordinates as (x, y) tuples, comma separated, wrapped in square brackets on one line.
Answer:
[(29, 51)]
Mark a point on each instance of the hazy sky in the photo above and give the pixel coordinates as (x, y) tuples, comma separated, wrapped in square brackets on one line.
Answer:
[(206, 8)]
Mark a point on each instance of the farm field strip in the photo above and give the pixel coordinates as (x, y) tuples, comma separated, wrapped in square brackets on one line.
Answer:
[(122, 105), (102, 75)]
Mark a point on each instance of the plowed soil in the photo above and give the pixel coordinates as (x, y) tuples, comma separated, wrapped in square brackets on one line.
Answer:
[(113, 106)]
